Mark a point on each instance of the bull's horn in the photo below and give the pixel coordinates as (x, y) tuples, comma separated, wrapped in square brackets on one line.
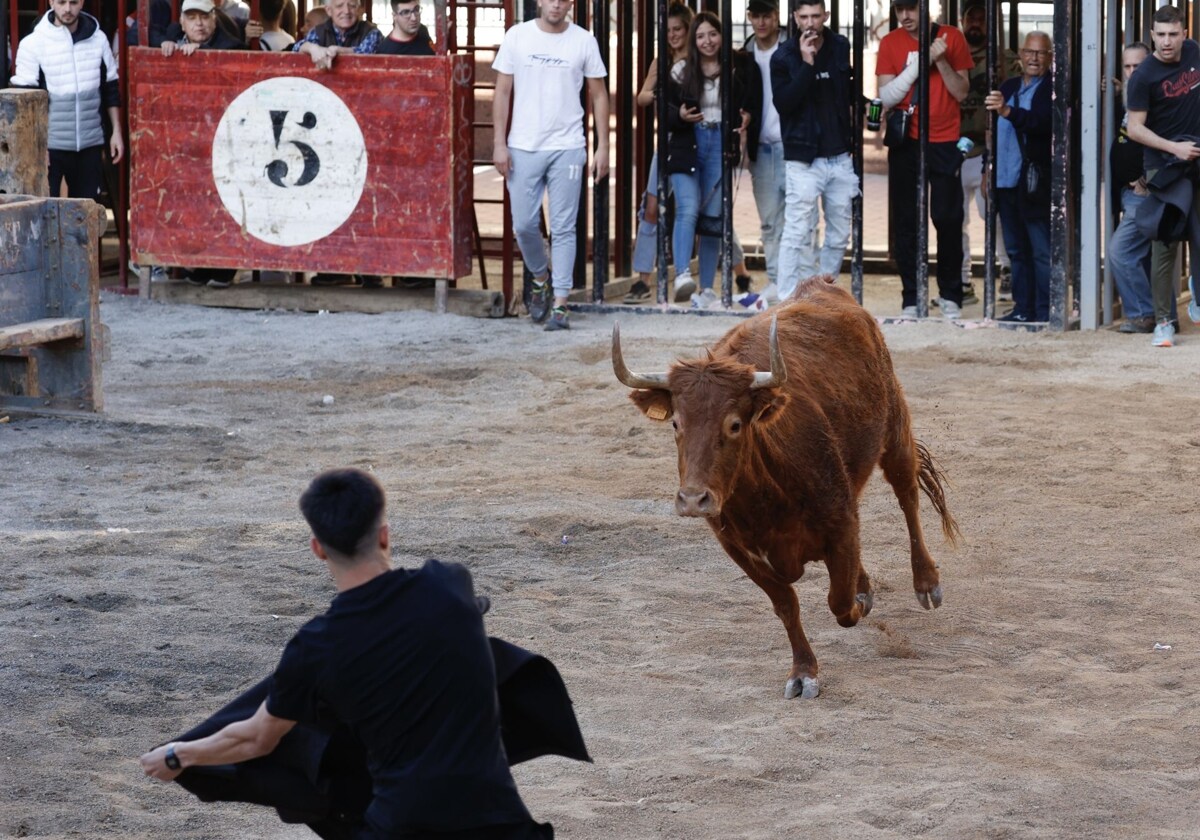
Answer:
[(778, 374), (626, 376)]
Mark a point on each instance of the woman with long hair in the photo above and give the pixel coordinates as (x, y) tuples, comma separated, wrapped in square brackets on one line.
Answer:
[(694, 150)]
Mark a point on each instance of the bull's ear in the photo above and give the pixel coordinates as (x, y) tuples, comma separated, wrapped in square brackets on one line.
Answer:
[(768, 404), (655, 403)]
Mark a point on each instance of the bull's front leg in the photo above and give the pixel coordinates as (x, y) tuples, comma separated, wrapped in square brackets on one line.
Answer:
[(851, 595), (802, 680)]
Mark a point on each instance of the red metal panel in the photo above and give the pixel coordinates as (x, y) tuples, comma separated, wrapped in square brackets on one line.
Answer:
[(412, 217)]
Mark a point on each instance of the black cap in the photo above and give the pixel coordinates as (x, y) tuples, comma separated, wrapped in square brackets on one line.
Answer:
[(761, 6)]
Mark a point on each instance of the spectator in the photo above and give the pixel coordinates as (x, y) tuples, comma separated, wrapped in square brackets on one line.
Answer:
[(1129, 248), (400, 663), (1163, 114), (69, 56), (764, 138), (238, 11), (898, 71), (679, 20), (313, 18), (273, 38), (408, 36), (345, 33), (174, 31), (975, 128), (541, 67), (200, 31), (694, 151), (814, 92), (1023, 177)]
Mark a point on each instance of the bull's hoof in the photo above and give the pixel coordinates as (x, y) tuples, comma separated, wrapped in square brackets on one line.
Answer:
[(805, 687), (931, 599), (866, 600)]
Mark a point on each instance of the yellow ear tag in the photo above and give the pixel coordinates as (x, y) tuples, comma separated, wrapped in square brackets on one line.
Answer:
[(656, 412)]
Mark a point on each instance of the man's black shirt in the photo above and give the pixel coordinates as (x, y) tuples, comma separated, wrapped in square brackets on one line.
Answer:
[(421, 44), (403, 661), (1170, 96)]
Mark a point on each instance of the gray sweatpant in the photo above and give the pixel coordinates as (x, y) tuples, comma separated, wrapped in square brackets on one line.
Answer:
[(558, 173)]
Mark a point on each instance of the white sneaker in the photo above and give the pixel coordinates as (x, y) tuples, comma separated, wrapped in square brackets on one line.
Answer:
[(951, 311), (1164, 335), (684, 286), (909, 312), (705, 299), (770, 294)]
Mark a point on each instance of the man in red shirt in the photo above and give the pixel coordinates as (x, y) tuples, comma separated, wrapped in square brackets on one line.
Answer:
[(898, 71)]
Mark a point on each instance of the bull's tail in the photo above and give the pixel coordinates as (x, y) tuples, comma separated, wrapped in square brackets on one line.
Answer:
[(931, 478)]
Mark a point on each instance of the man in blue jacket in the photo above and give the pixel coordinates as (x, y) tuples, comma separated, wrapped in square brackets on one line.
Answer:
[(812, 85), (1023, 178)]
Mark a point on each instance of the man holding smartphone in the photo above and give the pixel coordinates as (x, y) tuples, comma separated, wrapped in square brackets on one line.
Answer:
[(812, 85)]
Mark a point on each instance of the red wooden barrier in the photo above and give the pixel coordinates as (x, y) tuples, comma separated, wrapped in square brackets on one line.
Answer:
[(244, 160)]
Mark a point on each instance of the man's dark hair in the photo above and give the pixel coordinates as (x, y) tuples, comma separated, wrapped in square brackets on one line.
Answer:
[(796, 4), (397, 3), (1137, 45), (344, 508), (270, 10), (1170, 14)]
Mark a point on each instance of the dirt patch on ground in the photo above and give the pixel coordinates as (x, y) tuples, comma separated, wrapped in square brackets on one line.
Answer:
[(156, 564)]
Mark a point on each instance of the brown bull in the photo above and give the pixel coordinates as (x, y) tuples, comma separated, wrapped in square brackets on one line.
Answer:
[(776, 461)]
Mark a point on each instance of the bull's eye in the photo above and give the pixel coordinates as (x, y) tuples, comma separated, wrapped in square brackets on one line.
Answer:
[(675, 425), (733, 426)]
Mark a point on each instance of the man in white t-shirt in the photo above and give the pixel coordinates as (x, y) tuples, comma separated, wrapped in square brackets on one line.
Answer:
[(546, 60)]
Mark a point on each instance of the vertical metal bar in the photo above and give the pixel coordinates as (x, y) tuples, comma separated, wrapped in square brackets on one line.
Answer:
[(727, 122), (856, 121), (1014, 24), (1061, 262), (579, 272), (121, 199), (1091, 200), (660, 105), (1112, 70), (600, 25), (992, 13), (626, 147), (922, 157), (4, 41)]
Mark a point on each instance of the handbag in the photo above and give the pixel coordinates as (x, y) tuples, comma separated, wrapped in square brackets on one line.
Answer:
[(1033, 173), (896, 132), (709, 226)]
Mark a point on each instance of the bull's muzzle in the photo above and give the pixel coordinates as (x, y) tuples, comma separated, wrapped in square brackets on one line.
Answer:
[(696, 502)]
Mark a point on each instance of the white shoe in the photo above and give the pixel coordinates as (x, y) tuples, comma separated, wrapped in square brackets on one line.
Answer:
[(909, 312), (951, 311), (705, 299), (684, 286), (770, 293)]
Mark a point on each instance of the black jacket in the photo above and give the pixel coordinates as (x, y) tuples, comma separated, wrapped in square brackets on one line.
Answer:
[(1035, 125), (681, 145), (798, 91)]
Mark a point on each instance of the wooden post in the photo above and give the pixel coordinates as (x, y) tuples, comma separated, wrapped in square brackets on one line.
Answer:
[(24, 133)]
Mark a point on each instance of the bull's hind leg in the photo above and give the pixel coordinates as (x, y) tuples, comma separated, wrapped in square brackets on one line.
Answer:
[(900, 467)]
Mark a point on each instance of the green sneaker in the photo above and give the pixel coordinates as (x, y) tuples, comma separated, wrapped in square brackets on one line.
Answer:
[(539, 302), (559, 320)]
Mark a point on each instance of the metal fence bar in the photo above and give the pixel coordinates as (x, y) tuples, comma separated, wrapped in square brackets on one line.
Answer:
[(660, 107), (1061, 257), (727, 122), (922, 158), (856, 123)]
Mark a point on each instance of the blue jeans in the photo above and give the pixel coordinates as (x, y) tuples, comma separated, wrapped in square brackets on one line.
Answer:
[(697, 194), (1028, 244), (832, 183), (1129, 257), (769, 176)]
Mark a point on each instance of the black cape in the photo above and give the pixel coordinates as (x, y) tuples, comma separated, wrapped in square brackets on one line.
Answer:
[(318, 773)]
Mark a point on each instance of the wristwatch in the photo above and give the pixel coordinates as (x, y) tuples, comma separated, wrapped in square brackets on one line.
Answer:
[(172, 760)]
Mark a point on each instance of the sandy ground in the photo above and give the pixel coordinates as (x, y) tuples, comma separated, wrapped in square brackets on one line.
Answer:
[(156, 563)]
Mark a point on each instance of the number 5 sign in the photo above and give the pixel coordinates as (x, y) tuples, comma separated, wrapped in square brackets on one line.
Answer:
[(289, 161), (243, 160)]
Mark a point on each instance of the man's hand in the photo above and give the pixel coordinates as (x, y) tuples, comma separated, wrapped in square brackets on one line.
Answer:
[(189, 48), (322, 57), (254, 29), (502, 160), (116, 145), (168, 47), (600, 163), (154, 764), (1185, 150), (994, 101), (937, 49), (808, 46)]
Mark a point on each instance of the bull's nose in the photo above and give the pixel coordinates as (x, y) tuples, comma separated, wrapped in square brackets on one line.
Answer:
[(690, 502)]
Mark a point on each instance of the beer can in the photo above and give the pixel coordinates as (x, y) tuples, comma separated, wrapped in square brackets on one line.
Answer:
[(965, 145), (874, 114)]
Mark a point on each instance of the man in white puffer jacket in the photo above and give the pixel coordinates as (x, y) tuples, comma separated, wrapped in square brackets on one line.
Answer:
[(69, 56)]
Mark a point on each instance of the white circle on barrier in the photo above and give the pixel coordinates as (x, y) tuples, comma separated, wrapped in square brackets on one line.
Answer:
[(289, 161)]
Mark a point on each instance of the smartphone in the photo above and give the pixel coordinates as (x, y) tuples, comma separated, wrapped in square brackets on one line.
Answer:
[(692, 104)]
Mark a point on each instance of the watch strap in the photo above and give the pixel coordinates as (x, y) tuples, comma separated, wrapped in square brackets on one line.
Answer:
[(172, 760)]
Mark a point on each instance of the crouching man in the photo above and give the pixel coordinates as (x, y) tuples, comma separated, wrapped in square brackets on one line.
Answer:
[(392, 692)]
